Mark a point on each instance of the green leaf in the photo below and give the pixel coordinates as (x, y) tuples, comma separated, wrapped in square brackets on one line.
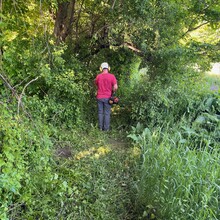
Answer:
[(2, 162), (133, 137), (200, 119)]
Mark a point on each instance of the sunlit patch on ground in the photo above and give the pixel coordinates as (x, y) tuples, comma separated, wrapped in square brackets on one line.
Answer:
[(115, 109), (136, 151), (93, 152)]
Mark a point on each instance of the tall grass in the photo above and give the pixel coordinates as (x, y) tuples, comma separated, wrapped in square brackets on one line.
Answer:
[(178, 182)]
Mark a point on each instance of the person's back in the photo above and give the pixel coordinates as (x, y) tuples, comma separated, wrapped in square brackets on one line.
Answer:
[(106, 84)]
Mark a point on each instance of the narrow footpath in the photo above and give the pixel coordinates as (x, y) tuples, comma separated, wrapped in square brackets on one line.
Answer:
[(102, 175)]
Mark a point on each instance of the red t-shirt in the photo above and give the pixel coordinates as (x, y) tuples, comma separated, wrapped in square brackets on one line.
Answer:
[(105, 81)]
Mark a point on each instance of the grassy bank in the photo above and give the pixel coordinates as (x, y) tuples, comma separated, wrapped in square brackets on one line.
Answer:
[(178, 173)]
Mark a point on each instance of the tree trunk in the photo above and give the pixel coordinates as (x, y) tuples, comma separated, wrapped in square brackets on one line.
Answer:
[(64, 20), (1, 49)]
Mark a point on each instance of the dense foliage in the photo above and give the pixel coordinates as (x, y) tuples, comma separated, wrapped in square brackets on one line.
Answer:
[(54, 164)]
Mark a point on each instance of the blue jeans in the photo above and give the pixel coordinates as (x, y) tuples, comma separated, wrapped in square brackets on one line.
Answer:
[(104, 111)]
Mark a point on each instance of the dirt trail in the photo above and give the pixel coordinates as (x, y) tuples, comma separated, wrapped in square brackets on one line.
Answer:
[(117, 144)]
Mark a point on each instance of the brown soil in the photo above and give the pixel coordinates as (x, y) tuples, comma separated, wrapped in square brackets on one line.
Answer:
[(64, 152)]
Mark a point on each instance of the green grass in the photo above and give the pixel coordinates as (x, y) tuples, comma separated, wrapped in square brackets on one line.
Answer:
[(175, 180), (90, 178)]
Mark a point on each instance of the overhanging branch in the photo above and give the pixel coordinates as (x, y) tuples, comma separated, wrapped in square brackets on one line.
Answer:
[(195, 28)]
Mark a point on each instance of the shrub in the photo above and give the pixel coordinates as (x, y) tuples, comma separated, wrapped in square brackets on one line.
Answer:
[(25, 163)]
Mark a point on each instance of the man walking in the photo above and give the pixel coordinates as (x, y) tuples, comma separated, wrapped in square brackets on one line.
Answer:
[(106, 85)]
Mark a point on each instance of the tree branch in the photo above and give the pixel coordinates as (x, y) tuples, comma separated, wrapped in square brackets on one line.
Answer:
[(7, 84), (22, 93), (113, 5), (201, 12), (131, 47), (195, 28)]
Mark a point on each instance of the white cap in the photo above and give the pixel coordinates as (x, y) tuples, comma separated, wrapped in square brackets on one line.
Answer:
[(104, 65)]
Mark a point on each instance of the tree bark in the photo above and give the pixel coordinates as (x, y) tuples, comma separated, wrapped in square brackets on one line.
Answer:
[(1, 49), (64, 20)]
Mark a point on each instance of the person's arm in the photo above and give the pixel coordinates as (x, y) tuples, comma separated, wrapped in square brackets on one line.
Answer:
[(115, 87), (115, 84)]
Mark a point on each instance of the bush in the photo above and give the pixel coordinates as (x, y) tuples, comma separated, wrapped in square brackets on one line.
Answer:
[(58, 94), (25, 156)]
